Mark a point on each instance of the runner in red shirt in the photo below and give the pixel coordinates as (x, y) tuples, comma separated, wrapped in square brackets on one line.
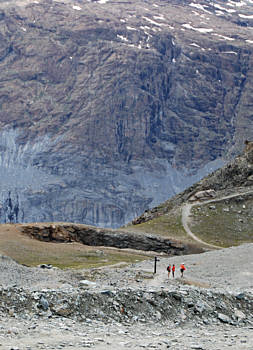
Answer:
[(173, 270), (182, 269)]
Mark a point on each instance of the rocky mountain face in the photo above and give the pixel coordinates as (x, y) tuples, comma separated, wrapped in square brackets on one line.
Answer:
[(111, 107)]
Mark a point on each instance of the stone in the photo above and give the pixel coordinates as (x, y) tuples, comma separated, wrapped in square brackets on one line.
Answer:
[(239, 315), (224, 318), (44, 303), (86, 284)]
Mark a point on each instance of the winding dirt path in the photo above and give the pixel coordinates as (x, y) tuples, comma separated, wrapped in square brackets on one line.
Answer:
[(186, 211)]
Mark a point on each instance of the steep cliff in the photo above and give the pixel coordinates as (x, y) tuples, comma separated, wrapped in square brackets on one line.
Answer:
[(110, 107)]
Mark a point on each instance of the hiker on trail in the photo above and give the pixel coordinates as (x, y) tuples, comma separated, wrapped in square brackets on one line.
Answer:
[(182, 269), (168, 269), (173, 270)]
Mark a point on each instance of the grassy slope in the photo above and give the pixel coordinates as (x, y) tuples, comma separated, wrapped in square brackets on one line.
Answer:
[(31, 252), (166, 225), (226, 223), (229, 224)]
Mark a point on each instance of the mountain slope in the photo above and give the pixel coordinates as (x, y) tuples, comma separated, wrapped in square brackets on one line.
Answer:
[(217, 210), (108, 108)]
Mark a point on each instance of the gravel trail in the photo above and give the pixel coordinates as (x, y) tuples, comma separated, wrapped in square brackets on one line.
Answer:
[(227, 270), (186, 211)]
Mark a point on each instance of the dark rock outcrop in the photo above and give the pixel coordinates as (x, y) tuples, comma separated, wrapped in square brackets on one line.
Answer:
[(93, 236), (110, 108)]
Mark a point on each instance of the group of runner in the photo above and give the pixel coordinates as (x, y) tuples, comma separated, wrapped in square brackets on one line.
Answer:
[(173, 269)]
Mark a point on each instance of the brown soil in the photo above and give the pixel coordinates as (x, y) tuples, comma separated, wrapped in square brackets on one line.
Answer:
[(31, 252)]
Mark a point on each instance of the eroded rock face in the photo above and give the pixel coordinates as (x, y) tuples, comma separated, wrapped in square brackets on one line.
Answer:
[(94, 236), (110, 108)]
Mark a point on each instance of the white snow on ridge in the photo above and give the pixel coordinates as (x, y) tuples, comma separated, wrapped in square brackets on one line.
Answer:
[(201, 30), (132, 45), (236, 4), (153, 22), (194, 44), (131, 28), (219, 13), (198, 6), (161, 17), (249, 41), (245, 16), (223, 8), (103, 1), (78, 8), (122, 37), (230, 52), (224, 37)]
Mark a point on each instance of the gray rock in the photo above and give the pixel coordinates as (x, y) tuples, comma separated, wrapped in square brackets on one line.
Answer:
[(87, 284), (224, 318), (44, 303)]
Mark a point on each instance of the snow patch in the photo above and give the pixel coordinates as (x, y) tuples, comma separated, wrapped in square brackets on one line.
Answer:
[(161, 17), (236, 4), (245, 16), (78, 8), (201, 30), (132, 45), (122, 37), (131, 28), (224, 37), (153, 22), (230, 52), (249, 41), (219, 13), (223, 8), (198, 6), (194, 44), (103, 1)]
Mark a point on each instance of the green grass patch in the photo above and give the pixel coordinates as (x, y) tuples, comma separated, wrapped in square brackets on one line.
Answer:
[(31, 252), (167, 225), (226, 223)]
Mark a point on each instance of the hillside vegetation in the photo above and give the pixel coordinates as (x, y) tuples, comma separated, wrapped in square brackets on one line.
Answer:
[(223, 218)]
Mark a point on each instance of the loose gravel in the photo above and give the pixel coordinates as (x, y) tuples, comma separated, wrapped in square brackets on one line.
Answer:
[(225, 272)]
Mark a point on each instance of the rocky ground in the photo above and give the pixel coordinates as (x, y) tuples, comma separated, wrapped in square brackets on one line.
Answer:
[(129, 307)]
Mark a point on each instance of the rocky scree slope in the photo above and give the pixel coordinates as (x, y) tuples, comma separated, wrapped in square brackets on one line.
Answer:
[(110, 107), (134, 294)]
